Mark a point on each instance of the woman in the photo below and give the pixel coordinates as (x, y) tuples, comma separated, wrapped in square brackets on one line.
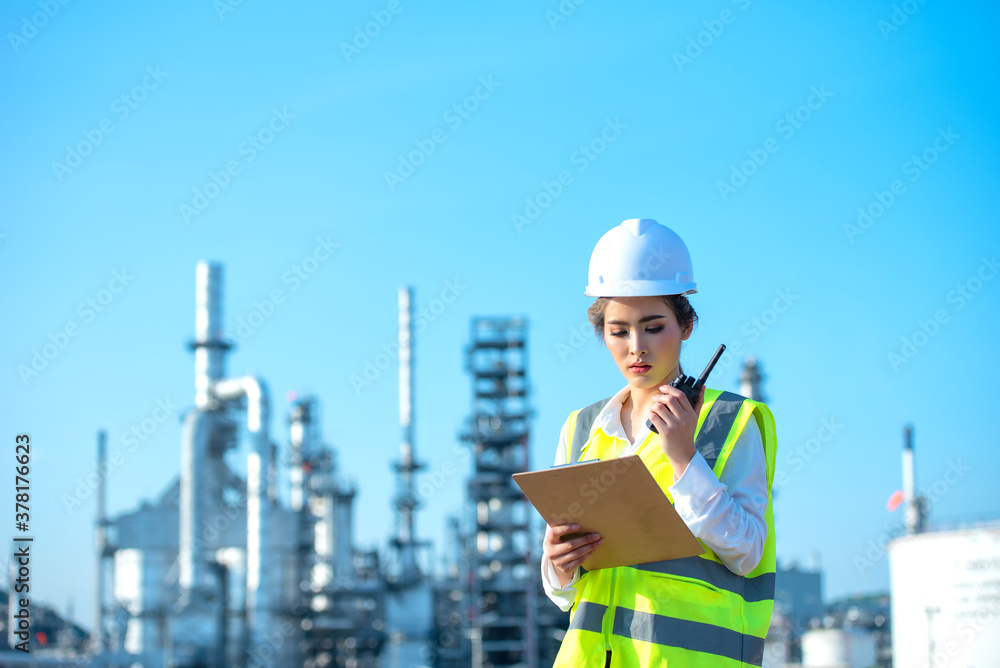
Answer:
[(715, 461)]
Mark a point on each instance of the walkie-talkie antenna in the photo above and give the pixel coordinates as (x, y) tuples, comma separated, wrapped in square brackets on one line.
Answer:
[(708, 369)]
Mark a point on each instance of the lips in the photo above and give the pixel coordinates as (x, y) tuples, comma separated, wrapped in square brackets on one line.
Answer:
[(640, 368)]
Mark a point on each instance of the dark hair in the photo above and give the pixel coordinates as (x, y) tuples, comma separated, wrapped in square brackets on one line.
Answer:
[(679, 304)]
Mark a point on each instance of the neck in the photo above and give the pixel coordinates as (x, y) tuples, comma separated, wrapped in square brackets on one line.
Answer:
[(641, 398)]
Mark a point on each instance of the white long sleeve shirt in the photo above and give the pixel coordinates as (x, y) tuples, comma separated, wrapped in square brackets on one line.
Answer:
[(727, 513)]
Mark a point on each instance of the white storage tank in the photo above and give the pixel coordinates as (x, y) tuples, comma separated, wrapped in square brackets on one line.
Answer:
[(946, 599), (140, 577), (838, 648)]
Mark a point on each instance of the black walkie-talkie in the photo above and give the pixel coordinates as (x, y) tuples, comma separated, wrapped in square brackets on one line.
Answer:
[(689, 386)]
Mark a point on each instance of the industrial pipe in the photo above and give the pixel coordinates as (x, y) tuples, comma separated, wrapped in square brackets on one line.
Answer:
[(260, 572)]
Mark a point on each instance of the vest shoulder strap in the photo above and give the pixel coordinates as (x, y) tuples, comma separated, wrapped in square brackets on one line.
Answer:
[(716, 426), (581, 430)]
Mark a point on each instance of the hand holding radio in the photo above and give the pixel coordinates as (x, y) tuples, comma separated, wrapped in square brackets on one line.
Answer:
[(691, 387)]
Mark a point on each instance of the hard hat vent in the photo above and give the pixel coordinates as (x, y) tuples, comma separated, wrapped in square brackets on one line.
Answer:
[(638, 225)]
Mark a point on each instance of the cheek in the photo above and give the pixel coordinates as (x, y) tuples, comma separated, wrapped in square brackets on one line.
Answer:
[(669, 343), (617, 346)]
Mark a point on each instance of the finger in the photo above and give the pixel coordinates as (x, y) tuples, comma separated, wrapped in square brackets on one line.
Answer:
[(665, 420), (670, 390), (656, 418), (567, 546), (563, 529), (675, 405), (580, 556), (558, 549), (570, 560), (669, 393), (583, 540), (670, 425), (686, 406), (662, 417)]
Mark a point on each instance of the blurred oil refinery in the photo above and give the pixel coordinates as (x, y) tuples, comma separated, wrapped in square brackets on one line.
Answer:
[(220, 571)]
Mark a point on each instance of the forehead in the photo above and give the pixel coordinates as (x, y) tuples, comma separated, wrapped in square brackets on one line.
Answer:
[(632, 309)]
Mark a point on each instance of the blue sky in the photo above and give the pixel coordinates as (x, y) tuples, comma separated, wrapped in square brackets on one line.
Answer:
[(254, 136)]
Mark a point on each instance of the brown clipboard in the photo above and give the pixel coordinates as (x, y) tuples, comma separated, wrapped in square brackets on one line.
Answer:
[(620, 500)]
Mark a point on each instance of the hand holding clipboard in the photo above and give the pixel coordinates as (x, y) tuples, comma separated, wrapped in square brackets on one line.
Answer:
[(625, 506)]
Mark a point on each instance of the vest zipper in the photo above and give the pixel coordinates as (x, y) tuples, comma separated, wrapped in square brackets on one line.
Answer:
[(609, 615)]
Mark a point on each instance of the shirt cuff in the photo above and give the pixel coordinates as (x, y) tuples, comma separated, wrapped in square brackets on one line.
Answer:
[(561, 596)]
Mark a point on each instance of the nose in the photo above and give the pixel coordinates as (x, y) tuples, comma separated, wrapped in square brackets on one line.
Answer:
[(637, 345)]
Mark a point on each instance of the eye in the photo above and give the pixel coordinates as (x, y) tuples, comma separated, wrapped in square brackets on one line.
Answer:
[(619, 333), (654, 330)]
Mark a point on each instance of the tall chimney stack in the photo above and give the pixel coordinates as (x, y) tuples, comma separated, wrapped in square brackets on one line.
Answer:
[(914, 510)]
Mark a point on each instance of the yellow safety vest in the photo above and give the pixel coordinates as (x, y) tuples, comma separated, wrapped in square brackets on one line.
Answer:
[(682, 613)]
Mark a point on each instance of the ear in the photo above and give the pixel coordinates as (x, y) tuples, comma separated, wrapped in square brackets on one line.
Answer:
[(686, 332)]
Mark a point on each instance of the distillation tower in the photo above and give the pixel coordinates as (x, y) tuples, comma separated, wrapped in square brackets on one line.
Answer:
[(217, 571), (343, 622), (751, 379), (408, 595)]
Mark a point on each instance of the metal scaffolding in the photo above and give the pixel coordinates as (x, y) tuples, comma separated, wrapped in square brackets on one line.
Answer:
[(501, 576)]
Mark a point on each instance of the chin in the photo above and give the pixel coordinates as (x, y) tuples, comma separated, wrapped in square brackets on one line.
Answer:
[(640, 381)]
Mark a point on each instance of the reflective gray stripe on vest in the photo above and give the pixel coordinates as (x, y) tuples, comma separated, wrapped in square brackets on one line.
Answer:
[(581, 432), (753, 590), (588, 617), (717, 425), (689, 635)]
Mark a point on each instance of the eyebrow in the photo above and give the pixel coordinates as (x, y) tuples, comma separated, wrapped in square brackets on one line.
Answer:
[(643, 319)]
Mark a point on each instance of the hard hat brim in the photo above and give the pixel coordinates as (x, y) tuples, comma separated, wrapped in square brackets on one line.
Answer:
[(640, 289)]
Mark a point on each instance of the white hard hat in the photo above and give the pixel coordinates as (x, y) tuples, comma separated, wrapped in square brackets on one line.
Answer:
[(640, 258)]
